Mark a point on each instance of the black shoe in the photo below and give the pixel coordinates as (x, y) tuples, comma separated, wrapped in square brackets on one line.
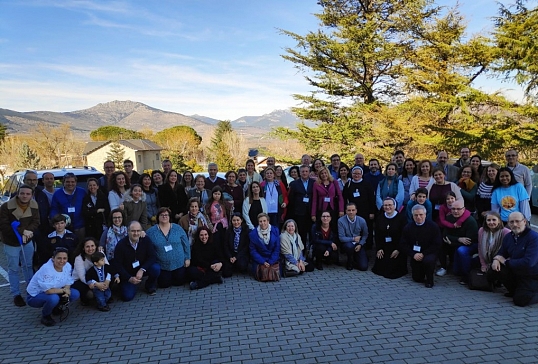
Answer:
[(193, 285), (319, 266), (349, 266), (19, 301), (48, 321), (220, 280), (57, 311), (428, 285), (509, 294), (152, 292), (104, 308)]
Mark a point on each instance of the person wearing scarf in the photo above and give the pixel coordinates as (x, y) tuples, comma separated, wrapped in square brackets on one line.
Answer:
[(264, 244), (194, 219), (291, 248), (113, 234), (390, 186), (467, 181), (236, 247), (490, 239)]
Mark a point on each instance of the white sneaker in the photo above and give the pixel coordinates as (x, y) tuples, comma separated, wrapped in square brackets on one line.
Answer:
[(440, 272)]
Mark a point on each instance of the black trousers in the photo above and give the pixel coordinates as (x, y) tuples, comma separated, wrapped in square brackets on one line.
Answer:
[(423, 271), (524, 289)]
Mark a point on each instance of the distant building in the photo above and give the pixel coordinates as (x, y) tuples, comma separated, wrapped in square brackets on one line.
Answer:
[(144, 153)]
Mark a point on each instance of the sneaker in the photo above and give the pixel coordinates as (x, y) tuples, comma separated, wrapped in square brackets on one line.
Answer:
[(19, 301), (463, 283), (48, 321), (152, 292), (440, 272), (193, 285)]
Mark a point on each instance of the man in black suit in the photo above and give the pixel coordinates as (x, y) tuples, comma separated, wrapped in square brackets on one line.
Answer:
[(300, 201)]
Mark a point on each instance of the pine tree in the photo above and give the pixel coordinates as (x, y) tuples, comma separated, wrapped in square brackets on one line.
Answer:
[(116, 155), (28, 158), (220, 147)]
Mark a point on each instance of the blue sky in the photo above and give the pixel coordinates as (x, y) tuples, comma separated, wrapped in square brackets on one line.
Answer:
[(215, 58)]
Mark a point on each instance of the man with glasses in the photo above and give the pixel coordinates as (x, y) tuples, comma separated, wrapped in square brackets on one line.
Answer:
[(104, 182), (465, 158), (334, 168), (300, 198), (19, 220), (133, 176), (516, 263), (521, 172), (134, 258), (68, 200), (460, 243)]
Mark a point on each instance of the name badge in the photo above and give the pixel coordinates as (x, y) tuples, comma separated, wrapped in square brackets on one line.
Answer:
[(167, 248), (70, 209), (136, 264), (416, 248), (327, 199), (306, 199), (388, 239), (437, 207), (356, 194)]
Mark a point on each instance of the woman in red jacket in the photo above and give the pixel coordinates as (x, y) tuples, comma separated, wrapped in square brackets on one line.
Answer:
[(327, 196)]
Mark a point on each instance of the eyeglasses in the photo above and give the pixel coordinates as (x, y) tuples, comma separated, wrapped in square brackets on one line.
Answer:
[(512, 222), (164, 215), (135, 231), (511, 155)]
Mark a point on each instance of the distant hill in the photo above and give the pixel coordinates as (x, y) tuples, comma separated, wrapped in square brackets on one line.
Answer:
[(136, 116)]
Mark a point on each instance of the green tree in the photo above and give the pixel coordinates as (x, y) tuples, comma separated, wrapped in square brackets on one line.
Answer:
[(182, 140), (116, 155), (220, 149), (105, 133), (28, 158), (393, 74), (516, 35), (3, 132)]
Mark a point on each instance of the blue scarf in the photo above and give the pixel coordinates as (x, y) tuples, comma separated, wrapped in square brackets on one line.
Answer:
[(237, 232)]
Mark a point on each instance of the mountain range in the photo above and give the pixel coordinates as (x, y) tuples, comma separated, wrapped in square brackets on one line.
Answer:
[(137, 116)]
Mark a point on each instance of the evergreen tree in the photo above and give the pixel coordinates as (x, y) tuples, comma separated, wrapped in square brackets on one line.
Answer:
[(220, 147), (3, 132), (116, 155), (28, 158), (105, 133)]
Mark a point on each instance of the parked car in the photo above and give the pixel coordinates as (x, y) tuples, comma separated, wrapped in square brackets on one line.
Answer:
[(15, 180)]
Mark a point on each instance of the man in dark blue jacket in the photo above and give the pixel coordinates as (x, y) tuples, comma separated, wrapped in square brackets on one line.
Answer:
[(300, 202), (516, 263), (134, 258)]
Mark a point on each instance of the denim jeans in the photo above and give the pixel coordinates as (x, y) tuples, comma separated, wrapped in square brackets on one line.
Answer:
[(102, 296), (14, 254), (462, 259), (49, 301)]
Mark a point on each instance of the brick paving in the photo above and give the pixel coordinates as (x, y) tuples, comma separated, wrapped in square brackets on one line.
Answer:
[(325, 316)]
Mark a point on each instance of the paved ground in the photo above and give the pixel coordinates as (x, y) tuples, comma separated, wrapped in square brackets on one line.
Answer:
[(322, 317)]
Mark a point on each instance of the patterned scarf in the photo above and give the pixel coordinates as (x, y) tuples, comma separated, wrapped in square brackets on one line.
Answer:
[(113, 236), (237, 237)]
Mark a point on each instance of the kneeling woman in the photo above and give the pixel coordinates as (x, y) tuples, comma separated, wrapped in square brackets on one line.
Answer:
[(324, 239), (51, 283), (389, 225), (264, 244), (292, 248), (206, 261), (172, 248), (236, 247)]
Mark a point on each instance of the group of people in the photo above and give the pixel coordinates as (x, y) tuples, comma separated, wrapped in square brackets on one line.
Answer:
[(176, 229)]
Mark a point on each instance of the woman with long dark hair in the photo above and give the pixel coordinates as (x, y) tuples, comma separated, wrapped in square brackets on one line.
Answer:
[(509, 196), (173, 196)]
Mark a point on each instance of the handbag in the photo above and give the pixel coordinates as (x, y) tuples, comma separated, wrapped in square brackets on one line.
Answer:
[(268, 274), (479, 281)]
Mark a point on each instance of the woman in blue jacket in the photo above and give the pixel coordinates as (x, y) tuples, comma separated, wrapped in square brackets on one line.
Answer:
[(264, 243)]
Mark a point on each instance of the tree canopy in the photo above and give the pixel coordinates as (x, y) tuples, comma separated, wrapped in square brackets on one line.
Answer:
[(105, 133), (398, 74)]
